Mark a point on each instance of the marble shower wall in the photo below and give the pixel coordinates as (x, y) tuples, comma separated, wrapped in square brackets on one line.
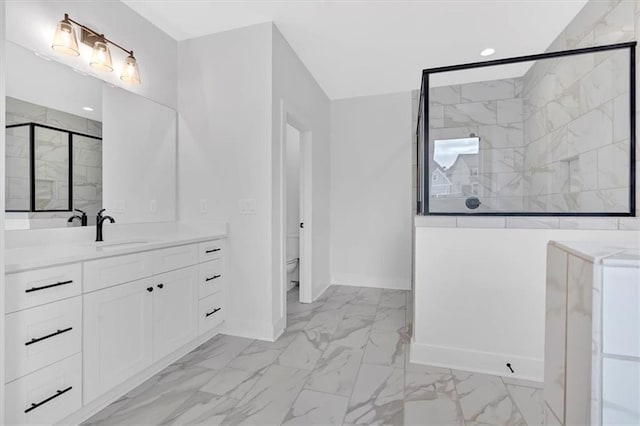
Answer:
[(576, 121), (491, 110), (51, 156)]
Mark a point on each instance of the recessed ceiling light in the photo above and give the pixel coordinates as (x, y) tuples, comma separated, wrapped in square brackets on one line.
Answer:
[(87, 108), (488, 51)]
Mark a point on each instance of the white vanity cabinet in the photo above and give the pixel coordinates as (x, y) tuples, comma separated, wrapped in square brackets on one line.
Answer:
[(80, 335), (592, 334)]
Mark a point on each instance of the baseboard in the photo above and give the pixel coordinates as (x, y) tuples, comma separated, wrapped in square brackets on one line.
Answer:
[(531, 369), (372, 282), (278, 328), (259, 330)]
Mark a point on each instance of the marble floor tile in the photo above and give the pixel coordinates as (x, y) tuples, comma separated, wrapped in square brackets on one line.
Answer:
[(393, 299), (336, 371), (232, 383), (385, 348), (530, 403), (429, 383), (317, 408), (345, 289), (217, 352), (436, 412), (352, 333), (389, 319), (305, 350), (377, 397), (201, 409), (270, 399), (255, 358), (361, 311), (484, 400), (367, 296)]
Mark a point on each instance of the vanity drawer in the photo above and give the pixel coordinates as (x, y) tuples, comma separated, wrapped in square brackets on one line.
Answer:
[(107, 272), (211, 311), (174, 258), (33, 288), (210, 250), (48, 395), (40, 336), (210, 278)]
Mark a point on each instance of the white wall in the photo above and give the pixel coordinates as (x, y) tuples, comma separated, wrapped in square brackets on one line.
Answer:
[(224, 156), (138, 158), (295, 90), (480, 294), (371, 191), (32, 25), (293, 192)]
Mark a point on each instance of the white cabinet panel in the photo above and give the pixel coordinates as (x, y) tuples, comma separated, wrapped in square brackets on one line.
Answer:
[(104, 273), (210, 250), (175, 304), (621, 311), (620, 392), (40, 336), (210, 278), (40, 286), (45, 396), (117, 335), (211, 311), (174, 258)]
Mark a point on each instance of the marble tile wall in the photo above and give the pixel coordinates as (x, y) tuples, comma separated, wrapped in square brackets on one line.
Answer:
[(492, 110), (51, 161)]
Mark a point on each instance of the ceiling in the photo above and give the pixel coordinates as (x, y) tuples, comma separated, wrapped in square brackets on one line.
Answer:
[(366, 47)]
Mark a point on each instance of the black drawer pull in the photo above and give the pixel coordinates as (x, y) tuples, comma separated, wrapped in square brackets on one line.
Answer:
[(29, 290), (40, 339), (212, 312), (212, 278), (58, 393), (212, 250)]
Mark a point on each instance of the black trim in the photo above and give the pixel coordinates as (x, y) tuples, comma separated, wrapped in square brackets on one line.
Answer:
[(423, 208), (212, 312), (58, 393), (59, 283), (212, 278), (212, 250), (48, 336)]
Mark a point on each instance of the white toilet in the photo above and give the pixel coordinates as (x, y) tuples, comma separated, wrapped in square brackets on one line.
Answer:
[(293, 261)]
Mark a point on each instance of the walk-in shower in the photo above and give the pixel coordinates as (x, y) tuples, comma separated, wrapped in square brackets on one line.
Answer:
[(549, 134)]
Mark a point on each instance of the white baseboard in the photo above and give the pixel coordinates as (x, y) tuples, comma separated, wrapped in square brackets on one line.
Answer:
[(372, 282), (531, 369)]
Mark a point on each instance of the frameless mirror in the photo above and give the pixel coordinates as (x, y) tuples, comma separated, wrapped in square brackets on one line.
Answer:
[(74, 142)]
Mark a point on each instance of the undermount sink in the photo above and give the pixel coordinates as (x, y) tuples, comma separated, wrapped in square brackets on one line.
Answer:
[(121, 244)]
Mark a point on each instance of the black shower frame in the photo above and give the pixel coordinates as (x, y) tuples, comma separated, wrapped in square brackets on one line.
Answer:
[(423, 111), (32, 163)]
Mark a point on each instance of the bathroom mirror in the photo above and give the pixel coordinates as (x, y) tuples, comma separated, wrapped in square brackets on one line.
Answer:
[(74, 142), (547, 135)]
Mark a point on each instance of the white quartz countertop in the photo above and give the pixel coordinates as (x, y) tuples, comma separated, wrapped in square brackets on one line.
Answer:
[(625, 253), (50, 254)]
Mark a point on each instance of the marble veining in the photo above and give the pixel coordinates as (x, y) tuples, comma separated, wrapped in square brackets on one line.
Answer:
[(342, 360)]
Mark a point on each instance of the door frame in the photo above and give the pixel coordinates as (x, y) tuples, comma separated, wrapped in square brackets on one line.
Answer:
[(292, 116)]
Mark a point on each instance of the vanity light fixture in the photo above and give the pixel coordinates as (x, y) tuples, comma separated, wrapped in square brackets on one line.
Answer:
[(65, 41), (488, 51)]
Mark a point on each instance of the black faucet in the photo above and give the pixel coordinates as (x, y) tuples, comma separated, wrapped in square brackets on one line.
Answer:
[(99, 220), (82, 219)]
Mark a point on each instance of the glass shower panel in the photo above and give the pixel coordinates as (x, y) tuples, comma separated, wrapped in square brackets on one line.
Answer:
[(17, 165), (551, 136), (51, 160)]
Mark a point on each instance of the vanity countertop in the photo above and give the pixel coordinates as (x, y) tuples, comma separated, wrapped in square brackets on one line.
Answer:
[(600, 252), (40, 256)]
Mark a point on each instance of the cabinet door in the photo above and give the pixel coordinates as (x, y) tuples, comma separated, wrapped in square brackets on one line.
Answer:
[(175, 310), (117, 335)]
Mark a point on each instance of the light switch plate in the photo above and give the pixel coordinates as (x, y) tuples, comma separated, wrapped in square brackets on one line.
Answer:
[(204, 205), (118, 206), (153, 206), (247, 206)]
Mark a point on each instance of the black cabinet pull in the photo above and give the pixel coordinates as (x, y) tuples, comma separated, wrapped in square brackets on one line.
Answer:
[(149, 289), (29, 290), (212, 250), (160, 285), (212, 278), (212, 312), (40, 339), (58, 393)]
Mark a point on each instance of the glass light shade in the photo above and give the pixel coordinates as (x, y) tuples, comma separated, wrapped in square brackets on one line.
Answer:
[(65, 40), (101, 57), (130, 73)]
